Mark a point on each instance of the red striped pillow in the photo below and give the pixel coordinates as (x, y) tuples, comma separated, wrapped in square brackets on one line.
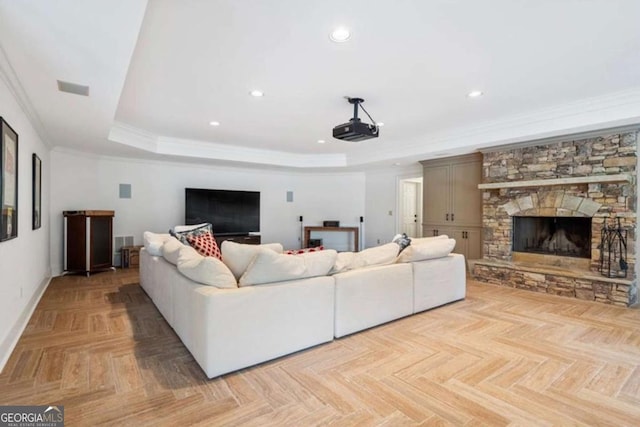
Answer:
[(304, 251)]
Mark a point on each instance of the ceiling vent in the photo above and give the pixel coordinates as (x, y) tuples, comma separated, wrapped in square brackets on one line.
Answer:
[(73, 88), (356, 130)]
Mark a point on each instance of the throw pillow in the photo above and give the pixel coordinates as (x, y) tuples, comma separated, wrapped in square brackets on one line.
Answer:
[(238, 256), (304, 251), (402, 240), (206, 270), (153, 242), (269, 266), (171, 249), (435, 248), (378, 255), (190, 230), (205, 244), (183, 228)]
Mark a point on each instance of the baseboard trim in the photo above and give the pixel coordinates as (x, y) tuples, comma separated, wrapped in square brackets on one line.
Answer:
[(9, 344)]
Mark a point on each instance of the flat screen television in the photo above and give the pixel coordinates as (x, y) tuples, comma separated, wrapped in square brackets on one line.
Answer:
[(228, 211)]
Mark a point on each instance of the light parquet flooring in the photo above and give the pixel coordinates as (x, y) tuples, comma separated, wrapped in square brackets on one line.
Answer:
[(99, 347)]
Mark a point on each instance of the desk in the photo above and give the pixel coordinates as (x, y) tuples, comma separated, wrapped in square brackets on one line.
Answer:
[(354, 230)]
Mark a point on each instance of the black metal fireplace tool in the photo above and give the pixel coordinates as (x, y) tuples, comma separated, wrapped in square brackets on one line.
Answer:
[(613, 251)]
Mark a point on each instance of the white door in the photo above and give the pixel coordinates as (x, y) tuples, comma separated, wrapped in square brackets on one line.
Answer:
[(409, 204)]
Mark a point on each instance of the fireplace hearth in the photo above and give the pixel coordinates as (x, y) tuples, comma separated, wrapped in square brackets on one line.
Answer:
[(559, 236)]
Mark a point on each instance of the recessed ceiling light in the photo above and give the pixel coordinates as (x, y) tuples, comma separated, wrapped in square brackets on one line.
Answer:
[(474, 94), (321, 141), (340, 35), (257, 93), (214, 123)]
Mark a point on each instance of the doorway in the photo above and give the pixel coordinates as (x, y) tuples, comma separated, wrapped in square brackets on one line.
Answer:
[(410, 206)]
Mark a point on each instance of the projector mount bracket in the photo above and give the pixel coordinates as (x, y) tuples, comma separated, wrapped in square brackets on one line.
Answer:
[(357, 102)]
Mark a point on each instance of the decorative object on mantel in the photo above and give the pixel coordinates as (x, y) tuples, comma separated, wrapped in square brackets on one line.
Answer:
[(8, 182), (613, 251)]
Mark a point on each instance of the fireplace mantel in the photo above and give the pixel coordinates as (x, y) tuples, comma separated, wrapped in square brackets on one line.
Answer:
[(558, 181)]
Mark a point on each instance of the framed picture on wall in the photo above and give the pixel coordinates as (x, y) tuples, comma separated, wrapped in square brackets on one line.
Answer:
[(8, 182), (37, 192)]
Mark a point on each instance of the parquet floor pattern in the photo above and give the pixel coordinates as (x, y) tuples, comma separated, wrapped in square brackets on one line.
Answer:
[(99, 347)]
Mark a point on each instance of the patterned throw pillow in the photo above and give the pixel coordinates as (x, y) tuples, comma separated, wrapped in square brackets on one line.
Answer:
[(304, 251), (186, 231), (402, 240), (205, 244)]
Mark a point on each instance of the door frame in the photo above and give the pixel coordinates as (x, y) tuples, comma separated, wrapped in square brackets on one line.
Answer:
[(401, 179)]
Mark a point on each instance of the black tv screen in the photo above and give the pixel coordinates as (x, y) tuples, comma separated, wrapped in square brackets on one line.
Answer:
[(228, 211)]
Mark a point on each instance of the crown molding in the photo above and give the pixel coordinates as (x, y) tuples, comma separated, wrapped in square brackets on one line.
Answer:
[(587, 115), (597, 114), (133, 137), (138, 138), (10, 78), (202, 164)]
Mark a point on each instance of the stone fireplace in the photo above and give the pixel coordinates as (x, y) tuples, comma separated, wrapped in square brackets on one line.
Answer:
[(544, 211)]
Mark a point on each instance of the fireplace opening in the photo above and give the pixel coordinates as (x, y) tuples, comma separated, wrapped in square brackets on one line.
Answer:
[(561, 236)]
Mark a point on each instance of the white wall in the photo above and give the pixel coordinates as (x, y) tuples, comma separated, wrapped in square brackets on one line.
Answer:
[(382, 199), (80, 181), (24, 261)]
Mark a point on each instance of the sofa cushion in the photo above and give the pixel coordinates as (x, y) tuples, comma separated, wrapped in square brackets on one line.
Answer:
[(238, 256), (171, 250), (183, 232), (269, 266), (343, 262), (153, 242), (421, 240), (205, 244), (206, 270), (378, 255), (436, 248)]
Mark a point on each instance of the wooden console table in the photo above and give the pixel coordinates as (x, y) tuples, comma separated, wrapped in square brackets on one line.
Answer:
[(354, 230)]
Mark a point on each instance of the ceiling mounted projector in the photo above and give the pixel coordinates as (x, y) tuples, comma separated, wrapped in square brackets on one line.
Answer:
[(356, 130)]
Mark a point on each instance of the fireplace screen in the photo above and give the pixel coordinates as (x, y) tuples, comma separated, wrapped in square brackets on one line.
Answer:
[(562, 236)]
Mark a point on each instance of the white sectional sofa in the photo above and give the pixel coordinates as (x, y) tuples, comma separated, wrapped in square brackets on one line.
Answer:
[(227, 329)]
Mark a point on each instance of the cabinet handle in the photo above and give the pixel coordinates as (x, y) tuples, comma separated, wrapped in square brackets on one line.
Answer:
[(447, 217), (451, 217)]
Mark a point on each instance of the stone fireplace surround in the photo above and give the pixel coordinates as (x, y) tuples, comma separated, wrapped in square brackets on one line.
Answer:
[(591, 177)]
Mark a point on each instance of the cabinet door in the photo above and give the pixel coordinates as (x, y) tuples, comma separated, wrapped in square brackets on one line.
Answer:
[(465, 197), (468, 242), (461, 244), (474, 243), (436, 200), (76, 242), (101, 241), (429, 230)]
